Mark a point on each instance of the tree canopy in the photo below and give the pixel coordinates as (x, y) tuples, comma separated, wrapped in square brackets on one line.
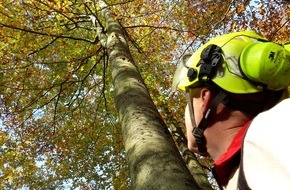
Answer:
[(58, 122)]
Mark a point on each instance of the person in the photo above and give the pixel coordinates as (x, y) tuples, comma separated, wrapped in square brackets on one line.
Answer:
[(233, 84)]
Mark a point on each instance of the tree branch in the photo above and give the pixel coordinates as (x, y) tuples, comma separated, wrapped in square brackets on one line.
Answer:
[(46, 34)]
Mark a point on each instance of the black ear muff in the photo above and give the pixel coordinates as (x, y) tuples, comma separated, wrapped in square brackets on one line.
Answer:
[(209, 60)]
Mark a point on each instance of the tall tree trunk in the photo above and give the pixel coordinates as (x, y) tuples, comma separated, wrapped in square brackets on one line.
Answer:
[(154, 161)]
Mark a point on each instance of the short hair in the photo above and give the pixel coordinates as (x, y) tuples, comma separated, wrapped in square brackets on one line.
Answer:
[(251, 103)]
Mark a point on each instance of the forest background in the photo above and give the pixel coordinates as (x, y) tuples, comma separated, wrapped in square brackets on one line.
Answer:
[(59, 126)]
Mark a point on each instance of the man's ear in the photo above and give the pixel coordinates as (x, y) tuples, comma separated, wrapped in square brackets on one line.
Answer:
[(206, 96)]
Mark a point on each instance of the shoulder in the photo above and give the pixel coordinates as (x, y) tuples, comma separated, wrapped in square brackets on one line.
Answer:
[(266, 149), (271, 121), (280, 110), (232, 184)]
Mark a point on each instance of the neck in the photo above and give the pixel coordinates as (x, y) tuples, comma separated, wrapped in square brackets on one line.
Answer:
[(221, 133)]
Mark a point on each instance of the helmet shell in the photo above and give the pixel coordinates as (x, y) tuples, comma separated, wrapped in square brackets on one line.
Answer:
[(228, 75)]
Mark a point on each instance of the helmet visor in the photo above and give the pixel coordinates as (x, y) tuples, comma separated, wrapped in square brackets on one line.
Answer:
[(180, 73)]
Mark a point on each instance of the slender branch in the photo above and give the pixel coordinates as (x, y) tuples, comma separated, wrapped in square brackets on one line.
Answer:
[(44, 47), (94, 17), (157, 27), (46, 34), (55, 108), (280, 27)]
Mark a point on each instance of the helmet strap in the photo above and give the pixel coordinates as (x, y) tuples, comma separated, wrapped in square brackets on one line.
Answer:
[(198, 131)]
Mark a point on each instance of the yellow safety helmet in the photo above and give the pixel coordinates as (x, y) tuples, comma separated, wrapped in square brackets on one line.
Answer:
[(240, 62)]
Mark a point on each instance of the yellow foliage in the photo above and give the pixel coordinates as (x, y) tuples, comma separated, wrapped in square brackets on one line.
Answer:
[(240, 9), (57, 105)]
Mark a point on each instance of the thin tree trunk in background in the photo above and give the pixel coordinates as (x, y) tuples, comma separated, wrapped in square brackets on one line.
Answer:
[(196, 169), (154, 161)]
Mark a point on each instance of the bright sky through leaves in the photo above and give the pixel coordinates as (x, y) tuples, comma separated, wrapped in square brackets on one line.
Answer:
[(58, 121)]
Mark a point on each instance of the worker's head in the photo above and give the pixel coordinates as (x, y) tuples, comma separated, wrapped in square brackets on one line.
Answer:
[(242, 70)]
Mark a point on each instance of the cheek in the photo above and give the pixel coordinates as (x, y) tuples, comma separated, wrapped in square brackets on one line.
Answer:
[(188, 123), (197, 115), (191, 140), (197, 111)]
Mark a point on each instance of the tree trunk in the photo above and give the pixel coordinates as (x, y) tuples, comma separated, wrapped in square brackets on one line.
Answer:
[(196, 169), (154, 161)]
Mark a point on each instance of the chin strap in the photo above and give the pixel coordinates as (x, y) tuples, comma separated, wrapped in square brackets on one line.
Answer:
[(199, 130)]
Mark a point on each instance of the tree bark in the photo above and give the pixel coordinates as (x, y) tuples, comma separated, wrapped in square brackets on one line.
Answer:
[(196, 169), (154, 161)]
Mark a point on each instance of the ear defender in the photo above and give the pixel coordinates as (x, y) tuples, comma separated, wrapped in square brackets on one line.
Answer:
[(267, 63)]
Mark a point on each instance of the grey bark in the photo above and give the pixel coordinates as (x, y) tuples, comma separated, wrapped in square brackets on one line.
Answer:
[(154, 161), (199, 172)]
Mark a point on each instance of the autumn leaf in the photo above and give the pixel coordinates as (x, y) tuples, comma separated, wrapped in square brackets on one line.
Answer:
[(58, 123), (240, 9)]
